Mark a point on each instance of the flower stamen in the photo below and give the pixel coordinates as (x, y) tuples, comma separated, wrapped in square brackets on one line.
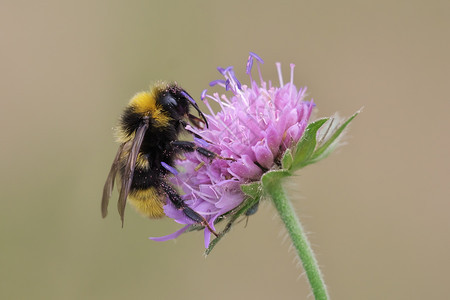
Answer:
[(280, 75), (203, 94), (169, 168), (292, 79), (220, 82)]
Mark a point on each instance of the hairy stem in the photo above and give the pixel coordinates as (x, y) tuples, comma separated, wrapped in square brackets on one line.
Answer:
[(299, 239)]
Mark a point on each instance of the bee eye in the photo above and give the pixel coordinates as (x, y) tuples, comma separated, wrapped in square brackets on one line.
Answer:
[(168, 102)]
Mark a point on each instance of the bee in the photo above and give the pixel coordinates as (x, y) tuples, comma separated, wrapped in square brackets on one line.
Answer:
[(148, 133)]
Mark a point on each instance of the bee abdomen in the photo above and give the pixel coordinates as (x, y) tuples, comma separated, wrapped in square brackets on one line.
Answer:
[(148, 202)]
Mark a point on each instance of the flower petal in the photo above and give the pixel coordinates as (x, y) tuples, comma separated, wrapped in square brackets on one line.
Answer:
[(170, 236), (246, 168), (263, 154)]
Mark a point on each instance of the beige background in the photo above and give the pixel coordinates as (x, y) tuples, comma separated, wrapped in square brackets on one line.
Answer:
[(377, 210)]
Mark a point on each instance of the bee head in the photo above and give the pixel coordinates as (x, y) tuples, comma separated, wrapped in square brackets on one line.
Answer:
[(177, 102)]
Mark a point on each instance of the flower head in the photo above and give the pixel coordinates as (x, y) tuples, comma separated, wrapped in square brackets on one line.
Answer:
[(255, 127), (261, 135)]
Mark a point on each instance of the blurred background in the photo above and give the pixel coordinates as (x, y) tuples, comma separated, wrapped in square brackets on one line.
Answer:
[(377, 210)]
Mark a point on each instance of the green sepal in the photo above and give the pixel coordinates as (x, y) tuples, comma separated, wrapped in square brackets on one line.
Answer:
[(287, 160), (253, 192), (325, 148), (305, 148), (272, 177)]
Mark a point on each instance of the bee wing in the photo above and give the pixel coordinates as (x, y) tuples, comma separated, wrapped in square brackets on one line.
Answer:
[(127, 177), (109, 184)]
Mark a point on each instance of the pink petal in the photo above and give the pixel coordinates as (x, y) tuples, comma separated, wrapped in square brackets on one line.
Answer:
[(170, 236)]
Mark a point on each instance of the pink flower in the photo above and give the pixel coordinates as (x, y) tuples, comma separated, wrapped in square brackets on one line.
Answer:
[(255, 126)]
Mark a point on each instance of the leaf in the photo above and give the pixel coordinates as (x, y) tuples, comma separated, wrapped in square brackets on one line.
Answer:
[(305, 148), (253, 191), (326, 148)]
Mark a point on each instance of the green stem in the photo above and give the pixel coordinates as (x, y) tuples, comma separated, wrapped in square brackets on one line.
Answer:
[(299, 239)]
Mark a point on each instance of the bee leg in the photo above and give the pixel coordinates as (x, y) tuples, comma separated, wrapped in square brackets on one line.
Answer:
[(191, 147), (189, 212)]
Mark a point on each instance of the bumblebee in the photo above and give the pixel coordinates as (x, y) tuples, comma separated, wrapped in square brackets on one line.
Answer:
[(148, 134)]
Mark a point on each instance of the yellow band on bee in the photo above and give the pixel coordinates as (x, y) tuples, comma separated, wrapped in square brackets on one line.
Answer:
[(145, 103), (148, 202), (142, 162)]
